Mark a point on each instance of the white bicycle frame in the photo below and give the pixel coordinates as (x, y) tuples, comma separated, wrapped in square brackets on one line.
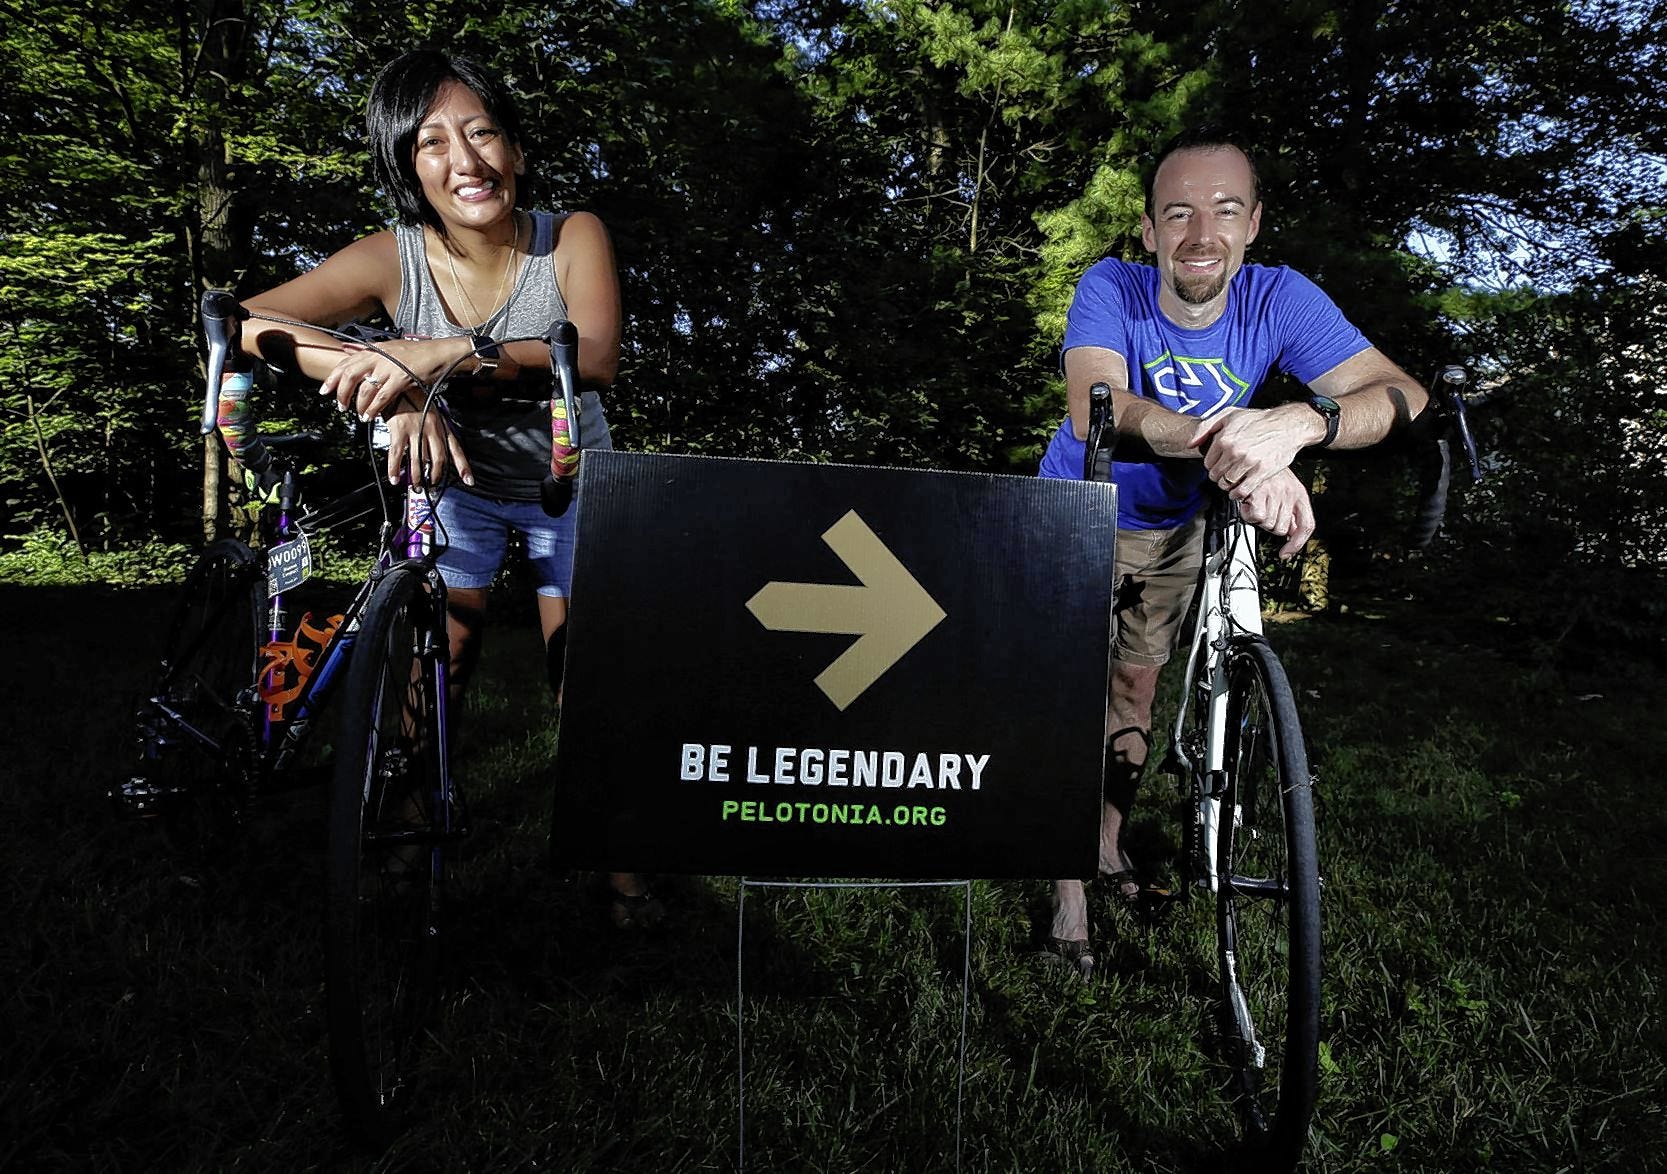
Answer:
[(1229, 604)]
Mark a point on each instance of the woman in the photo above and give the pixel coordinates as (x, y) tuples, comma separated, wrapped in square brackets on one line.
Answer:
[(465, 265)]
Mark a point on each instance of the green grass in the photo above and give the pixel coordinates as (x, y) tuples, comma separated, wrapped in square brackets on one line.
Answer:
[(1491, 847)]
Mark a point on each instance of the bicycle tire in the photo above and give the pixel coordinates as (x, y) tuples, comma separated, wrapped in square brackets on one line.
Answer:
[(195, 731), (1268, 911), (386, 847)]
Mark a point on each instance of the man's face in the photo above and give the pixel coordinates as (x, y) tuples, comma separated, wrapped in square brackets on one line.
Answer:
[(1204, 213)]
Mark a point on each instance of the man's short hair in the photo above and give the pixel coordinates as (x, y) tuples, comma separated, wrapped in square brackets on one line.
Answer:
[(400, 98), (1204, 137)]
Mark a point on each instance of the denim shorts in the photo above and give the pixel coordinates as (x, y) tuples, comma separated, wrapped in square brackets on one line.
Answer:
[(476, 531)]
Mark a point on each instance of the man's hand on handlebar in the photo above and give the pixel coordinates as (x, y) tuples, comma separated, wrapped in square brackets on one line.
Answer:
[(1244, 447), (427, 442), (1280, 506)]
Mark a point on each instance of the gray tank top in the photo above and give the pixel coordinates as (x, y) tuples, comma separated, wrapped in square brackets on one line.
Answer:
[(505, 428)]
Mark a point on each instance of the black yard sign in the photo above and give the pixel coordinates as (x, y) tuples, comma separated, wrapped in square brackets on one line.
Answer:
[(833, 671)]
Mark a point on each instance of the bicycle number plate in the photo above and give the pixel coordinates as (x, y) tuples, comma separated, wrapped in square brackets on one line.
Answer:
[(288, 565), (821, 670)]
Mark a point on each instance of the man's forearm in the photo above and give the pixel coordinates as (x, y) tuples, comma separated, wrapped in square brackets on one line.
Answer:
[(1374, 398), (1151, 426), (1369, 414)]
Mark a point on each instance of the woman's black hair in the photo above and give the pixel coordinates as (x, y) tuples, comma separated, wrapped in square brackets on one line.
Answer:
[(401, 97)]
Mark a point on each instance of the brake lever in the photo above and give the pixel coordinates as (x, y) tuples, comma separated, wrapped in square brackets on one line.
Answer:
[(1450, 382), (223, 318), (1099, 417)]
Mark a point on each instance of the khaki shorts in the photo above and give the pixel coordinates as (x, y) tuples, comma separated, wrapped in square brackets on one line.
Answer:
[(1156, 576)]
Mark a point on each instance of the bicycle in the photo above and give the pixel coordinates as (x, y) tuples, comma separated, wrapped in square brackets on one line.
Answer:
[(1248, 837), (396, 809), (238, 699), (239, 689)]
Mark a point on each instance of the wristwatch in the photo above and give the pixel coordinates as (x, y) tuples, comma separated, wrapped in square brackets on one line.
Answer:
[(487, 353), (1327, 407)]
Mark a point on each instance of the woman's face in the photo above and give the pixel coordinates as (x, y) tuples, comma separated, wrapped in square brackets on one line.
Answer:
[(464, 160)]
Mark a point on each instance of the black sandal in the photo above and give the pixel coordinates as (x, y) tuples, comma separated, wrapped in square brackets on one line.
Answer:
[(1077, 953), (1145, 900), (1120, 882), (634, 910)]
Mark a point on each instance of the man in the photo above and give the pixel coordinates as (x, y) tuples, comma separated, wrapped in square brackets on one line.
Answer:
[(1184, 345)]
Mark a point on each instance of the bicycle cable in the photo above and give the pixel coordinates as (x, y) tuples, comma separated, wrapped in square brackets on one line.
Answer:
[(1239, 535), (431, 399)]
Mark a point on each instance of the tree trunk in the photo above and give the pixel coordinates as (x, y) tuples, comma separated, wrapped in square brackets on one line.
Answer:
[(1314, 583), (45, 455), (220, 238)]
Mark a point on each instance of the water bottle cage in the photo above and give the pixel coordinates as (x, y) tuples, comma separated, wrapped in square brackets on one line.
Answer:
[(286, 664)]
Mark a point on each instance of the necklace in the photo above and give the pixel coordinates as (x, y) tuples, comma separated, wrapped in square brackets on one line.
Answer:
[(503, 282)]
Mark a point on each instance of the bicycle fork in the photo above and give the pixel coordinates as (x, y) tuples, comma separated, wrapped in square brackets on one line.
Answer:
[(1231, 604), (1197, 745)]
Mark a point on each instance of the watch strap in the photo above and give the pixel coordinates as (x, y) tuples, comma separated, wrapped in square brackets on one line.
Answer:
[(487, 352), (1328, 410)]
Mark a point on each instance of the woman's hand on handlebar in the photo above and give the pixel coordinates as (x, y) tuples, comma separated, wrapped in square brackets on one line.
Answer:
[(425, 441), (366, 381), (1280, 506)]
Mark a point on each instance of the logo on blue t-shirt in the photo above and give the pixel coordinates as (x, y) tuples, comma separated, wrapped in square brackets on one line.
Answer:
[(1188, 385)]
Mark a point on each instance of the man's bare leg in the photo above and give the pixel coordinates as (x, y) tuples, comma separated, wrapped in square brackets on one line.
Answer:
[(1128, 729), (1129, 741)]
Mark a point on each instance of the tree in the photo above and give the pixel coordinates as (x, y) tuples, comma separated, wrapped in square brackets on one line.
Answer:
[(132, 127), (1569, 534), (80, 267), (847, 229)]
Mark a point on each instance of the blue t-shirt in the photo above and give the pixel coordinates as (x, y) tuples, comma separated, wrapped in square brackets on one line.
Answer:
[(1274, 318)]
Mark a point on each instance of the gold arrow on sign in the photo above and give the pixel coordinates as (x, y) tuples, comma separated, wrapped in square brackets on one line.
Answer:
[(890, 613)]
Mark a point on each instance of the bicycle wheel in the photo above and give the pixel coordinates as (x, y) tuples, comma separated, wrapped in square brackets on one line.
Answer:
[(195, 731), (387, 834), (1268, 910)]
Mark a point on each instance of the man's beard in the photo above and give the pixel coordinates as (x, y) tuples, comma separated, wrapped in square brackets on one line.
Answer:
[(1197, 295)]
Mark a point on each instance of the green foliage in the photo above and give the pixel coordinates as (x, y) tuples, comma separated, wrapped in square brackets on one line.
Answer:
[(123, 112), (1580, 399), (1574, 420), (849, 230), (48, 558)]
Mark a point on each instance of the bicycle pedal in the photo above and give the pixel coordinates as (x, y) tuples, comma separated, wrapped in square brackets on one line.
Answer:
[(1152, 906), (138, 797)]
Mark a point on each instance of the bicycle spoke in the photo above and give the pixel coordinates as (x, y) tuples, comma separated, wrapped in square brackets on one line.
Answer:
[(387, 839), (196, 731), (1267, 911)]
